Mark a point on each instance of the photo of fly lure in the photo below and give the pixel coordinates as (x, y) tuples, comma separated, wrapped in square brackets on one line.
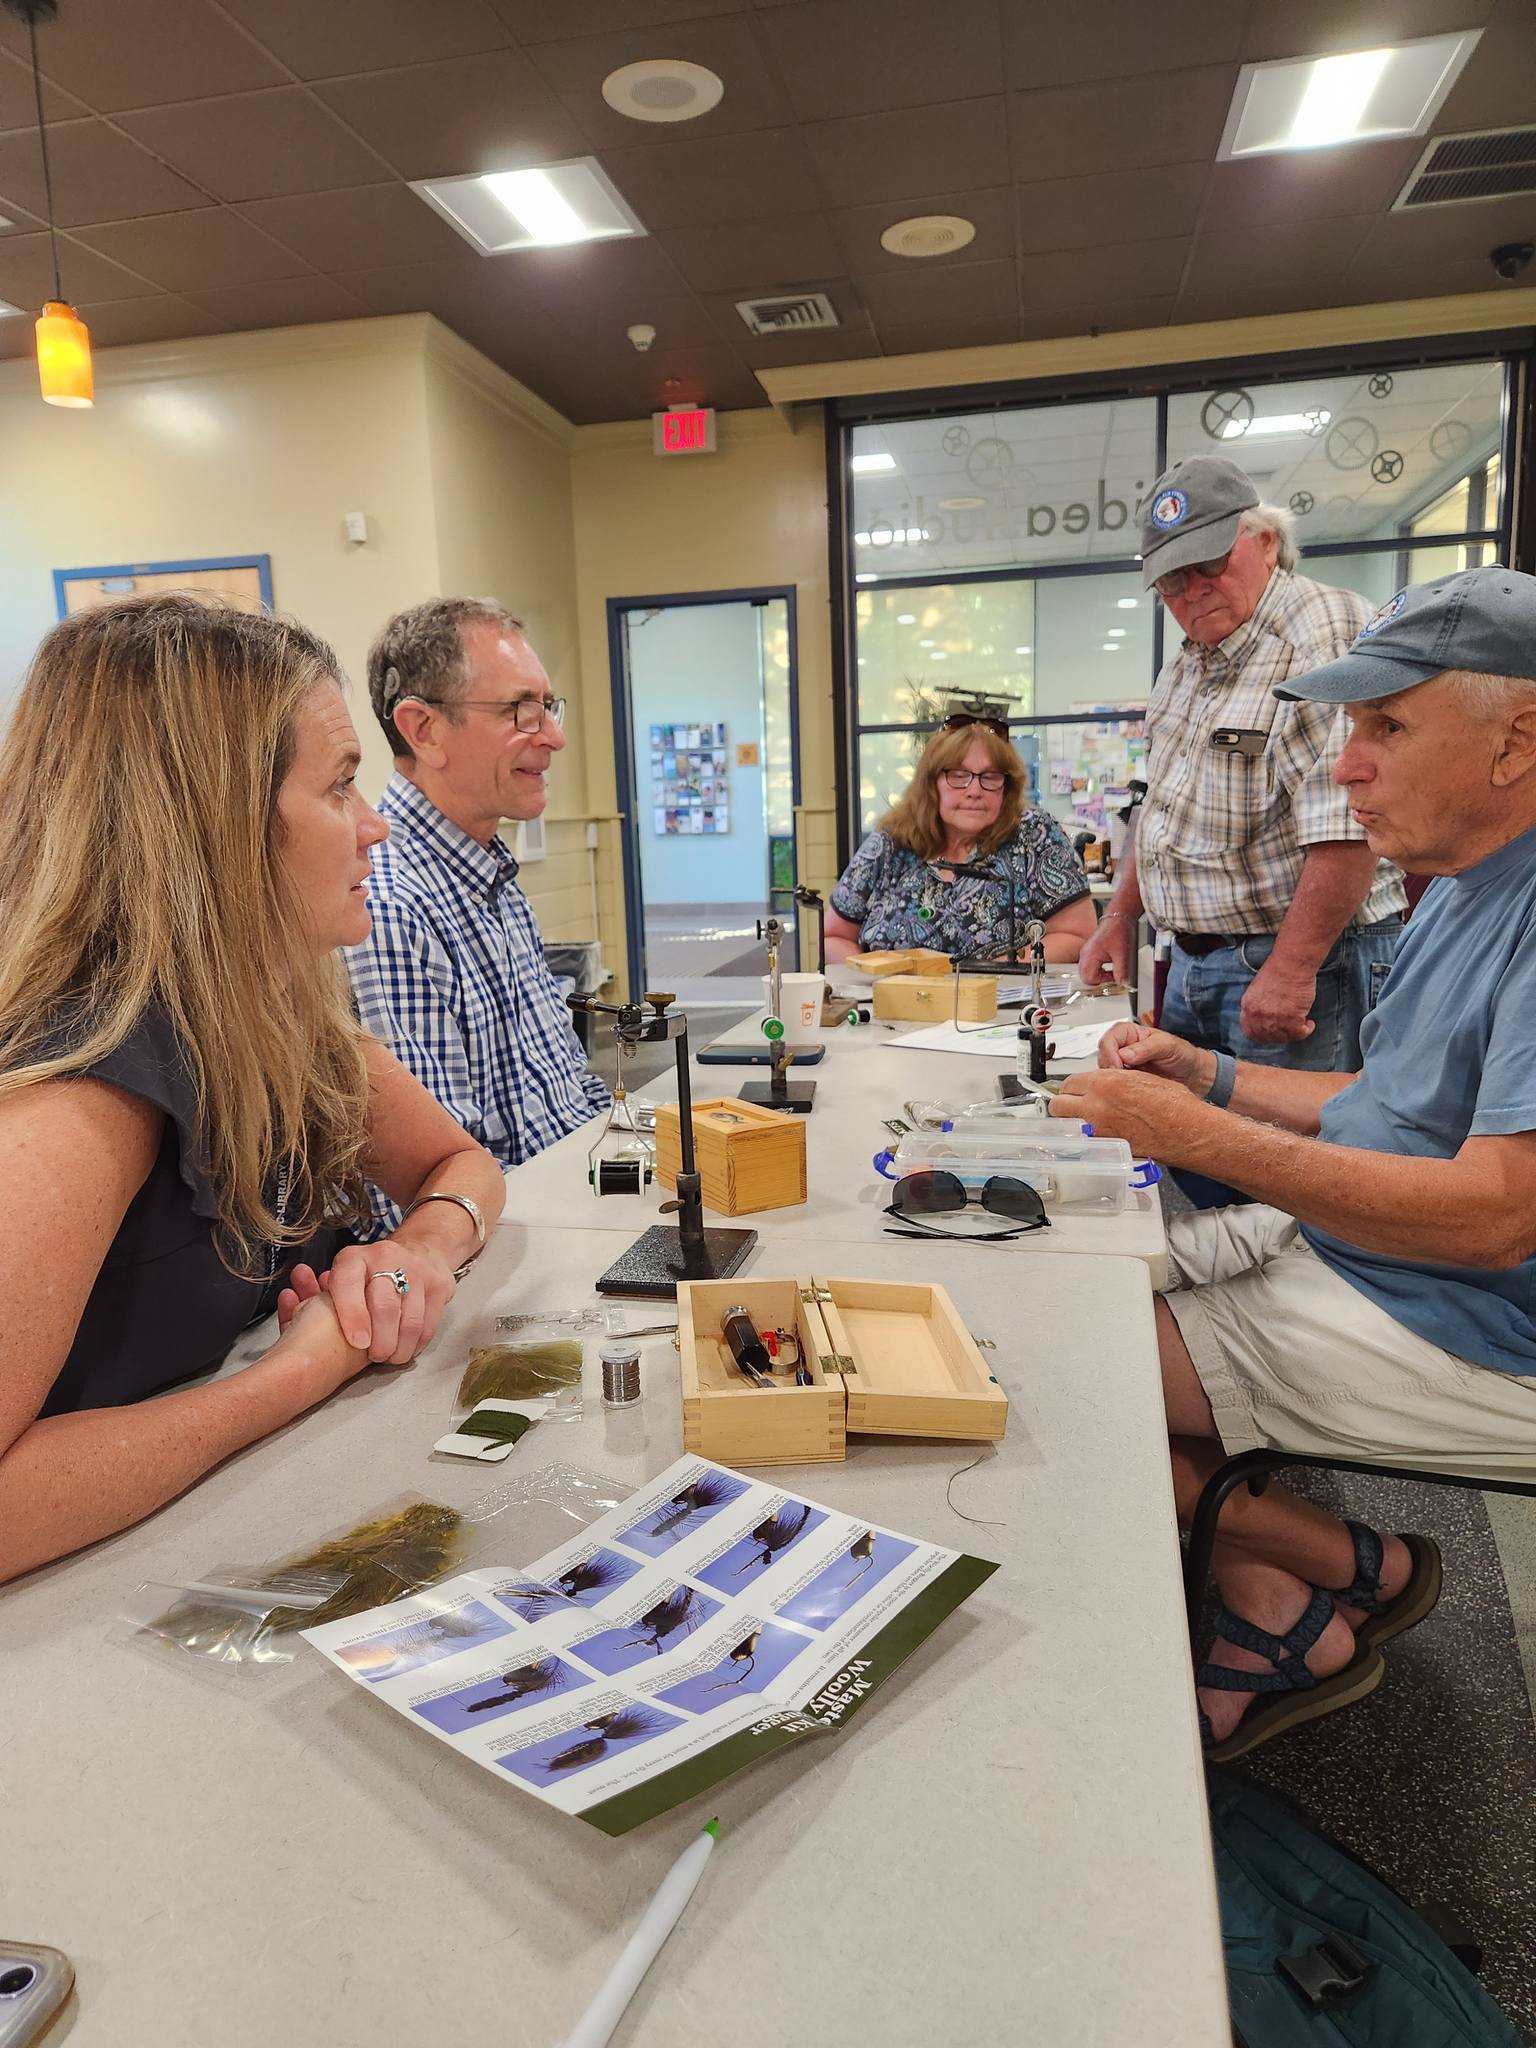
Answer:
[(623, 1727), (756, 1354)]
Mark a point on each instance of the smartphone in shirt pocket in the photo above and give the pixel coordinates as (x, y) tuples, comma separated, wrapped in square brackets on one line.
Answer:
[(35, 1984)]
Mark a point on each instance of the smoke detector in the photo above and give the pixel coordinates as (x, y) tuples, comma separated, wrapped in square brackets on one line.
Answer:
[(790, 313), (928, 234), (662, 89)]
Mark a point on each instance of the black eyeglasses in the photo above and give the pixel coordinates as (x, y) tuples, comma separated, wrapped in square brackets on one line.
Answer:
[(992, 779), (526, 713), (918, 1196)]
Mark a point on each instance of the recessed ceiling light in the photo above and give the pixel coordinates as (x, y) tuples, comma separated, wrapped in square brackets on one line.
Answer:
[(870, 578), (5, 222), (960, 504), (925, 643), (1111, 646), (900, 536), (662, 89), (906, 618), (871, 465), (547, 208), (938, 654), (928, 234), (8, 311), (1127, 604), (1021, 650), (1357, 96)]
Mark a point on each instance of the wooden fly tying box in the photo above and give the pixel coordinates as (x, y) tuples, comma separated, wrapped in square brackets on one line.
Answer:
[(900, 960), (748, 1157), (930, 999), (888, 1358)]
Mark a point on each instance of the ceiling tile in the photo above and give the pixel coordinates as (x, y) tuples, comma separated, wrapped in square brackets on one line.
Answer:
[(1087, 277), (17, 338), (754, 255), (680, 323), (334, 38), (1121, 125), (357, 230), (486, 113), (18, 107), (161, 318), (1118, 206), (1116, 39), (141, 53), (257, 145), (1307, 184), (698, 183), (855, 332), (26, 273), (542, 21), (441, 288), (194, 251), (841, 57), (1498, 87), (725, 45), (1307, 255), (1438, 277), (280, 302), (1256, 301), (961, 291), (97, 175), (1448, 234), (859, 229), (1050, 324), (1310, 28), (911, 338), (905, 156), (625, 277)]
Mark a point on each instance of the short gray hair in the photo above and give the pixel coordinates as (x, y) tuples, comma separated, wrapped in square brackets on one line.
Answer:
[(1495, 697), (1273, 519), (420, 653)]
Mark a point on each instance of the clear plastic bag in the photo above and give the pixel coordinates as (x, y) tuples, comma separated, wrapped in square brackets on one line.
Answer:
[(533, 1360), (539, 1511)]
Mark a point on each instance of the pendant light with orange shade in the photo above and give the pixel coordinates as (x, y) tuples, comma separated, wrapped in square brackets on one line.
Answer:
[(63, 344)]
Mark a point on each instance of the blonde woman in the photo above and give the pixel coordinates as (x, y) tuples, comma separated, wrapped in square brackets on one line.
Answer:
[(188, 1110), (965, 806)]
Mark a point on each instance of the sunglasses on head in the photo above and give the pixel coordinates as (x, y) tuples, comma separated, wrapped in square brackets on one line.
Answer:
[(957, 721), (917, 1197)]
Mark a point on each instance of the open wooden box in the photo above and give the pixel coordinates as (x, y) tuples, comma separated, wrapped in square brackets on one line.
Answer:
[(889, 1358)]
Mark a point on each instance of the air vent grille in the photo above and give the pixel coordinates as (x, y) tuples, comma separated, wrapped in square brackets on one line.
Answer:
[(1494, 163), (794, 313)]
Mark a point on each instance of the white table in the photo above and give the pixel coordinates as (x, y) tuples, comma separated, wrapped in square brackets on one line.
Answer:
[(865, 1077), (1008, 1846)]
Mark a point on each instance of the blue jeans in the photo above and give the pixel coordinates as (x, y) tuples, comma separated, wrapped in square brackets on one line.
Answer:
[(1205, 994)]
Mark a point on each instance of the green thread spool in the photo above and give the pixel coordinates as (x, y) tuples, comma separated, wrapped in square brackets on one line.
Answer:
[(773, 1027)]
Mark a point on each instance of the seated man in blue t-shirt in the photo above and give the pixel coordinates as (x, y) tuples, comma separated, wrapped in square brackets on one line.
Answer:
[(1382, 1306)]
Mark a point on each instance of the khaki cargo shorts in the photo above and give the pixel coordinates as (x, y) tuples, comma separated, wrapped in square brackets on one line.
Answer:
[(1293, 1358)]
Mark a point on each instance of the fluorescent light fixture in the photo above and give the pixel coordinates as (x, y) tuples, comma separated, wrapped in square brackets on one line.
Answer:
[(1127, 604), (900, 537), (1356, 96), (1116, 633), (1021, 650), (938, 654), (1111, 646), (1277, 423), (547, 208), (871, 465), (8, 311), (870, 578), (906, 618), (925, 643)]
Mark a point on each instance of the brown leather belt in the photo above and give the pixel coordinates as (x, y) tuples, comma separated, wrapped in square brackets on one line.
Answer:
[(1201, 943)]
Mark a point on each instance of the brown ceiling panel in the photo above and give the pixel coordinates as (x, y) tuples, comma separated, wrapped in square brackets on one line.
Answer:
[(1115, 39), (1118, 206), (1309, 184), (622, 278), (446, 289), (841, 57), (910, 338), (725, 45), (553, 21), (335, 38), (18, 108), (161, 318), (97, 175), (257, 145), (1258, 300), (1498, 87), (17, 338), (1309, 28), (955, 291), (717, 178), (1305, 257), (1448, 234), (680, 323), (26, 273), (360, 229), (142, 53), (486, 113), (956, 148), (859, 229), (1118, 270), (1123, 125), (200, 251), (1443, 276), (1049, 324), (754, 255), (281, 302)]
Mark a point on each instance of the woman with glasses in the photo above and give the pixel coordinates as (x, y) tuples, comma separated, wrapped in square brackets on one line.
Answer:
[(961, 852), (188, 1108)]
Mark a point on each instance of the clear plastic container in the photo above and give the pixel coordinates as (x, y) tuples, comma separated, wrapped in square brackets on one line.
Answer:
[(1070, 1172)]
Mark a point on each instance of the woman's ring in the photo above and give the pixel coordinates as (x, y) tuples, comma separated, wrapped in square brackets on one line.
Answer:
[(397, 1278)]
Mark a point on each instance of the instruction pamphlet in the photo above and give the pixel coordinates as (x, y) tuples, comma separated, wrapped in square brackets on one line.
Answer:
[(705, 1622)]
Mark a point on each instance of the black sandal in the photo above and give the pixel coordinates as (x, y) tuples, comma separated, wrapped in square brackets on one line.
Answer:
[(1406, 1608), (1302, 1695)]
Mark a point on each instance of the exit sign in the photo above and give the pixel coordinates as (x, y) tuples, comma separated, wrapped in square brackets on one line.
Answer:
[(685, 430)]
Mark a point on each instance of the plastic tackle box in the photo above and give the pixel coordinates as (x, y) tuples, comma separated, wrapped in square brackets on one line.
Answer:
[(1069, 1171)]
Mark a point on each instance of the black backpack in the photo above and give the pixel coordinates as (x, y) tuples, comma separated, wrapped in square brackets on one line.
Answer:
[(1321, 1953)]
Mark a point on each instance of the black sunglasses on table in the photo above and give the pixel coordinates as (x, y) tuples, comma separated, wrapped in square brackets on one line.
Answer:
[(918, 1196)]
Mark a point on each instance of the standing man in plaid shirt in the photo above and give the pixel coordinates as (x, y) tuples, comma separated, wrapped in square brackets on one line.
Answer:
[(453, 977), (1284, 922)]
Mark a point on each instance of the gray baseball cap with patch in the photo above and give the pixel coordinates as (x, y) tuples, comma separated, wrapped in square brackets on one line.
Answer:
[(1192, 514), (1483, 620)]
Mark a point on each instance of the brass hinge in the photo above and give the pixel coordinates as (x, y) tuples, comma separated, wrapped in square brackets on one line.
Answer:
[(836, 1362), (815, 1293), (982, 1343)]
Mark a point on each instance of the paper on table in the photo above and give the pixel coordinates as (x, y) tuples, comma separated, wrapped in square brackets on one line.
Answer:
[(706, 1621), (1001, 1040)]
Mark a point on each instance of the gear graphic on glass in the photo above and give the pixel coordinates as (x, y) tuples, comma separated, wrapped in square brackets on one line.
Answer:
[(1316, 417), (1351, 442), (1450, 440), (1339, 511), (1226, 415), (1387, 466), (989, 464), (956, 440), (1381, 384), (1302, 503)]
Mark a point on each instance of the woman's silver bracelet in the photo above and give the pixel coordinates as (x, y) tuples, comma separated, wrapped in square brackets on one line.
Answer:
[(471, 1210)]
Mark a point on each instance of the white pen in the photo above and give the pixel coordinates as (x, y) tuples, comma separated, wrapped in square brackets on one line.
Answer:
[(595, 2027)]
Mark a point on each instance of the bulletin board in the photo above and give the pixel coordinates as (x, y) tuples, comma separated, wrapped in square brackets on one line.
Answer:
[(690, 786), (244, 581)]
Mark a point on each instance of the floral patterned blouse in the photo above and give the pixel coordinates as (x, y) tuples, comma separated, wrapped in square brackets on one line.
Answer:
[(899, 899)]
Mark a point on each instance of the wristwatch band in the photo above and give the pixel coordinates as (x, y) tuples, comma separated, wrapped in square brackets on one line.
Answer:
[(1219, 1094), (471, 1210)]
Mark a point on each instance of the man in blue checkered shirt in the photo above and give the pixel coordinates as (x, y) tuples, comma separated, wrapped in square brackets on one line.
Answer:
[(453, 977)]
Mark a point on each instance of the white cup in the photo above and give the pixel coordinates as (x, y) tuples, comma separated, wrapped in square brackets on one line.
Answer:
[(801, 998)]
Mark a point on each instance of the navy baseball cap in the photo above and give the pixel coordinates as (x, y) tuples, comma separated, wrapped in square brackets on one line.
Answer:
[(1483, 620), (1193, 513)]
